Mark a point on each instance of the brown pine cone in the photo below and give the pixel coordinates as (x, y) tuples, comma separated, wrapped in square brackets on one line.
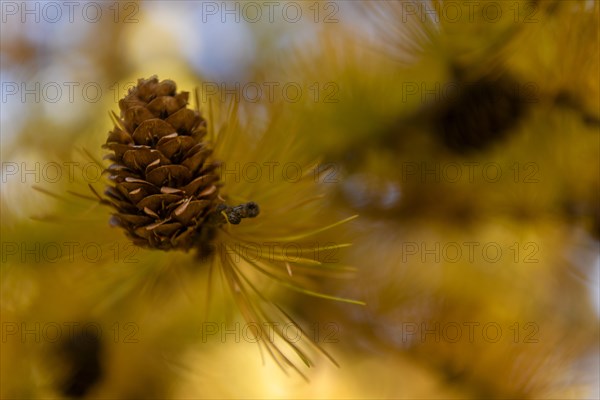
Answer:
[(166, 187)]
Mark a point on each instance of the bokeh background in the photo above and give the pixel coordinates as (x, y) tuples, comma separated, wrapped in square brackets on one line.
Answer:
[(465, 135)]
